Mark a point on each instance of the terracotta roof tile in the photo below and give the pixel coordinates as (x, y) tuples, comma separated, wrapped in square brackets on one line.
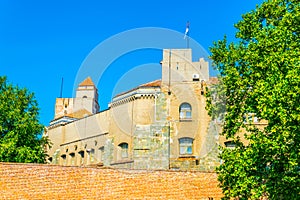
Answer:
[(156, 83), (79, 114), (87, 82)]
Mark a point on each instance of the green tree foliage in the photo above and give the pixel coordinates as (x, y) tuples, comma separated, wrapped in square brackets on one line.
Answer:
[(20, 130), (261, 74)]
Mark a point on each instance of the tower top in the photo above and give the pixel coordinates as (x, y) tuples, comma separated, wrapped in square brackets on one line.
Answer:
[(87, 82)]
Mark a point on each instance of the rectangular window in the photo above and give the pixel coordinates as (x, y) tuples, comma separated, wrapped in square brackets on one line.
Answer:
[(186, 146)]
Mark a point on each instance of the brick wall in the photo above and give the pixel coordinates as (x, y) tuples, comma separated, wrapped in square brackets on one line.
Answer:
[(34, 181)]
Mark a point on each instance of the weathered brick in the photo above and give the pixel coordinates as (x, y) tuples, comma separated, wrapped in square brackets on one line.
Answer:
[(35, 181)]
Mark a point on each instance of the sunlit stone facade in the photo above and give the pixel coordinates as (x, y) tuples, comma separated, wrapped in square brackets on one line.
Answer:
[(158, 125)]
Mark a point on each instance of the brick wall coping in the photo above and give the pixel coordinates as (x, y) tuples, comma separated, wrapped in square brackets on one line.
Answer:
[(111, 168)]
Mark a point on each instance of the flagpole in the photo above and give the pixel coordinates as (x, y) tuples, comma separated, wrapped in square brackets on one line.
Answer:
[(169, 90), (187, 34)]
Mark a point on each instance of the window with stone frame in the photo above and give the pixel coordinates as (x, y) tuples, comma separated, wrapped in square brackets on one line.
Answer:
[(185, 111), (186, 146), (123, 150)]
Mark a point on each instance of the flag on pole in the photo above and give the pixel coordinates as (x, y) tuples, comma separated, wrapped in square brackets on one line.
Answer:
[(187, 30)]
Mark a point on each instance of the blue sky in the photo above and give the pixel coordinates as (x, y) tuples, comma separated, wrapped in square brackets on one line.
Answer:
[(43, 41)]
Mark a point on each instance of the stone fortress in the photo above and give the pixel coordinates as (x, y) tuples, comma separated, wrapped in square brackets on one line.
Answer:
[(158, 125)]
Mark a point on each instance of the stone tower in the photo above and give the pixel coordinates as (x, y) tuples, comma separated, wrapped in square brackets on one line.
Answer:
[(86, 97), (85, 103), (177, 66), (183, 83)]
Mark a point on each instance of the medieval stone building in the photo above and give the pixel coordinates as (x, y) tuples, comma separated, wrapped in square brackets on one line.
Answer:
[(158, 125)]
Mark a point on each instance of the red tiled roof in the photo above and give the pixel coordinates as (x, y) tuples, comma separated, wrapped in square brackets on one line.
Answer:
[(156, 83), (87, 82), (79, 114)]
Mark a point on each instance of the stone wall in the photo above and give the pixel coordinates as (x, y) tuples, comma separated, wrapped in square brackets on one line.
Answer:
[(33, 181)]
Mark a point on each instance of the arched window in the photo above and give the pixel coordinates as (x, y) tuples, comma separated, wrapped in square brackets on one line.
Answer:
[(124, 150), (91, 155), (72, 159), (185, 111), (81, 157), (64, 159), (186, 146)]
